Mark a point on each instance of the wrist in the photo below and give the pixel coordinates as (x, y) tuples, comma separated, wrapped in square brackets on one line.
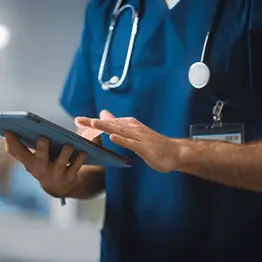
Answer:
[(52, 194), (62, 198), (180, 150), (56, 194)]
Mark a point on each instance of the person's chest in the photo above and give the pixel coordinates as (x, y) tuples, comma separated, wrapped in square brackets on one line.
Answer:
[(167, 43)]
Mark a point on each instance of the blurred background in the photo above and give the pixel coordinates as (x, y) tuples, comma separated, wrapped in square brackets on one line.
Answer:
[(37, 41)]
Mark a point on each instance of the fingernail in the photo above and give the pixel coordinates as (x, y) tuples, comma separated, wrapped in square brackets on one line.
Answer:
[(82, 156), (113, 137), (67, 149), (82, 121), (42, 142)]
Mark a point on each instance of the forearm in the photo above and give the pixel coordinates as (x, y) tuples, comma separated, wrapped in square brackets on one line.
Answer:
[(225, 163), (90, 183)]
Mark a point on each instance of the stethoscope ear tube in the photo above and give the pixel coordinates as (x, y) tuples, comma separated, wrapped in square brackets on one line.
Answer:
[(115, 81)]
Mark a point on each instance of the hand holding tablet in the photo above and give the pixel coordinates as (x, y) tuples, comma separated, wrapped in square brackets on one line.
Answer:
[(29, 128)]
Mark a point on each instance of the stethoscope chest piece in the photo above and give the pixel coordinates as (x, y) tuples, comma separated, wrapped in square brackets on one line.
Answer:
[(113, 81), (199, 75)]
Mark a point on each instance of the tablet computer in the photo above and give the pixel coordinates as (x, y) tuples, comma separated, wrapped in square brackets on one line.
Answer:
[(29, 127)]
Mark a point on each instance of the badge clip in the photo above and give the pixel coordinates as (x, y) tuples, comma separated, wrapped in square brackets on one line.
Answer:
[(217, 113), (229, 132)]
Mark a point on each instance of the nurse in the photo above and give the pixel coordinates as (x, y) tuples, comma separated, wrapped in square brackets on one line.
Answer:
[(191, 193)]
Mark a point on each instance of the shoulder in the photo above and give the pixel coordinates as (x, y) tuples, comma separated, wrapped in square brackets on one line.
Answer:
[(98, 15), (100, 5), (98, 11)]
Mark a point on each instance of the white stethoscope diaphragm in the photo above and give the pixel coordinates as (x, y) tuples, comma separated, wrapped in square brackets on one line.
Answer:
[(199, 75), (113, 81)]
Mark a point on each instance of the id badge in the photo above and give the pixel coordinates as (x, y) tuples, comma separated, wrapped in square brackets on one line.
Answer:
[(229, 132)]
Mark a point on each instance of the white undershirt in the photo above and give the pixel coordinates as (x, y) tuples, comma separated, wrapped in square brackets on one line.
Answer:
[(171, 3)]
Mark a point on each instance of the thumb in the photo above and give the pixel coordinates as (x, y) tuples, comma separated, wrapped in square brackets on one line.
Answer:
[(85, 122), (89, 132), (82, 122)]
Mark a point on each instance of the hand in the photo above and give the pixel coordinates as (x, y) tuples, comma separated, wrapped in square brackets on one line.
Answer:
[(158, 151), (58, 178)]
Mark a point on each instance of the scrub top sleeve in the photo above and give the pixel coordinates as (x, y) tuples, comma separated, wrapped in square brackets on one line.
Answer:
[(77, 96)]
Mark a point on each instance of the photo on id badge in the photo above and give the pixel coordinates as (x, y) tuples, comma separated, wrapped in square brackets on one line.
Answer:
[(229, 132)]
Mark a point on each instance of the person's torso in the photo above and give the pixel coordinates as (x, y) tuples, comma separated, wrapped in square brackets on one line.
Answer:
[(159, 217)]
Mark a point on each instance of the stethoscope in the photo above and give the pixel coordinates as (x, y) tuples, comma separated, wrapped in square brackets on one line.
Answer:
[(198, 73)]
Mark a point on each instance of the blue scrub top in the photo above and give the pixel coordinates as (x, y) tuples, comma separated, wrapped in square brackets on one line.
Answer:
[(152, 216)]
